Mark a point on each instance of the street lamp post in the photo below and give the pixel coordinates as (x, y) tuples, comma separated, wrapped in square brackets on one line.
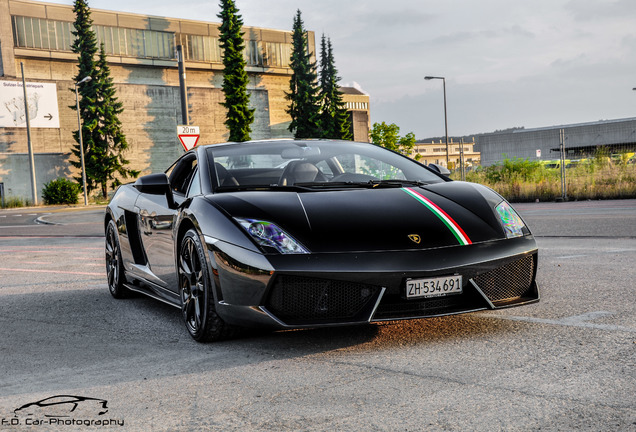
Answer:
[(81, 140), (445, 114)]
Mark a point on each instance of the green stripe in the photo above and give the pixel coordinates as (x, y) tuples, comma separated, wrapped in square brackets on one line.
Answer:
[(439, 216)]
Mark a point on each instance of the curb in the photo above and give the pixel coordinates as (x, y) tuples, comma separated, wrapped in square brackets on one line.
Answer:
[(41, 221)]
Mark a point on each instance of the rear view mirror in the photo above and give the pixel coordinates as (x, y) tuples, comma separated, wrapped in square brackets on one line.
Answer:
[(300, 152)]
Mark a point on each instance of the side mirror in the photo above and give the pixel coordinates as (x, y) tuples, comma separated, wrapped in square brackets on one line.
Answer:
[(155, 184), (439, 169)]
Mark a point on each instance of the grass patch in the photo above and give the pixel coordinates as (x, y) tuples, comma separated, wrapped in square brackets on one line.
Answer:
[(14, 202), (521, 180)]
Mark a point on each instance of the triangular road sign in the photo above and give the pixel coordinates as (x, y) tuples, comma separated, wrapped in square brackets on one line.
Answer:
[(189, 141), (188, 135)]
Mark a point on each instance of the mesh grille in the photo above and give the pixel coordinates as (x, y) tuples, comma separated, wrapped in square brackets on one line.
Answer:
[(508, 282), (303, 300), (395, 307)]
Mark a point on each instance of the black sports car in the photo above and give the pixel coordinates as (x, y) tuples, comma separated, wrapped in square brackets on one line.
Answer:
[(288, 234)]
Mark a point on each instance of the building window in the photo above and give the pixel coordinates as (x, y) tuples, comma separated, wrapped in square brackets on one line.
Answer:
[(277, 54), (201, 48), (253, 53), (41, 33), (53, 35)]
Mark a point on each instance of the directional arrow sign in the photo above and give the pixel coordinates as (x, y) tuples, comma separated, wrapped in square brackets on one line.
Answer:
[(188, 135), (41, 100)]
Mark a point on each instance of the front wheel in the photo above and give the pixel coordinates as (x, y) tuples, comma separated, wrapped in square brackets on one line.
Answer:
[(197, 300)]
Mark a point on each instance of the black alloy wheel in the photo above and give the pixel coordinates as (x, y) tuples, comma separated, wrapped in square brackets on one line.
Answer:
[(114, 264), (197, 301)]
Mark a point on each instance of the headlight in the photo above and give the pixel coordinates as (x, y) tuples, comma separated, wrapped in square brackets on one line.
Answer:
[(269, 235), (510, 220)]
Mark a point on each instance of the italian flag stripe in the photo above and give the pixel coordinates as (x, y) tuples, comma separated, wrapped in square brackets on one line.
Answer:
[(450, 223)]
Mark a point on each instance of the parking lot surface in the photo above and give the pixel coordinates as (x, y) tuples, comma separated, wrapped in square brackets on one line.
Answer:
[(565, 363)]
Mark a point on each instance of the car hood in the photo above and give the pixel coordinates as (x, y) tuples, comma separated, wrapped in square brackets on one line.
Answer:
[(375, 219)]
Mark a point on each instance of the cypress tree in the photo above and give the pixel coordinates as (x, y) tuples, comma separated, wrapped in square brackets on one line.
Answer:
[(304, 108), (334, 118), (239, 115)]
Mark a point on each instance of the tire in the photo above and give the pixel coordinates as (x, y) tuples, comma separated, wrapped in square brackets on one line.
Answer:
[(197, 300), (114, 264)]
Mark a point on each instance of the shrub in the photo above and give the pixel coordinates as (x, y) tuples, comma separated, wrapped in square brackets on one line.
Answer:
[(61, 191)]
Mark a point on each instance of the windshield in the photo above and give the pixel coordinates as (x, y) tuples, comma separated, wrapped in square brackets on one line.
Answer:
[(311, 165)]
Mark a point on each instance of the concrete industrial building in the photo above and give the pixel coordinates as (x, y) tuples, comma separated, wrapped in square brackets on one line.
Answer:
[(581, 141), (141, 53)]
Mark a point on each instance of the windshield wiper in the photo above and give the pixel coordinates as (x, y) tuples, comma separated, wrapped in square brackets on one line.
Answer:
[(274, 187), (395, 183), (309, 186), (331, 185)]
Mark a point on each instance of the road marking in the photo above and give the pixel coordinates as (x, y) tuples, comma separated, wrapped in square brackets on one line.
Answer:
[(17, 226), (573, 321), (570, 256), (51, 249), (51, 271)]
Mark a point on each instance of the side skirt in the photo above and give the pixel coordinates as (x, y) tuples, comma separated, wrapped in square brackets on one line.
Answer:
[(168, 299)]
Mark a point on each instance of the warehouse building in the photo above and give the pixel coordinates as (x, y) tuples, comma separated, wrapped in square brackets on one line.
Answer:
[(581, 141)]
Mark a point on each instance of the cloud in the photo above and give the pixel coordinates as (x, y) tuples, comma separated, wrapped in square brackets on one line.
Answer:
[(601, 10)]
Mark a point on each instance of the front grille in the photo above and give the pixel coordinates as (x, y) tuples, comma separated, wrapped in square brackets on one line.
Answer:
[(303, 300), (511, 281), (397, 307)]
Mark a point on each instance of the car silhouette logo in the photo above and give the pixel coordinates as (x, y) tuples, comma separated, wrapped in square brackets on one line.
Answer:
[(63, 406)]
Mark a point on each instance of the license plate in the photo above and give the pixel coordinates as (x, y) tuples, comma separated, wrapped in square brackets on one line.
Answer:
[(433, 287)]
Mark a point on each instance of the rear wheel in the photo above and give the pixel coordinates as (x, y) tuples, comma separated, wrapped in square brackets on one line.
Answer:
[(114, 263), (197, 300)]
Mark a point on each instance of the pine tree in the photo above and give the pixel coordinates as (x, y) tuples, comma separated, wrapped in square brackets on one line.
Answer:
[(239, 115), (112, 141), (104, 141), (85, 45), (327, 121), (334, 119), (304, 107)]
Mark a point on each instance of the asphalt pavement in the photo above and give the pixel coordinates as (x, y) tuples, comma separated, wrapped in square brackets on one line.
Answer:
[(565, 363)]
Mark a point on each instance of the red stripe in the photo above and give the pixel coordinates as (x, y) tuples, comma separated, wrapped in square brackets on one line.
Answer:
[(445, 214)]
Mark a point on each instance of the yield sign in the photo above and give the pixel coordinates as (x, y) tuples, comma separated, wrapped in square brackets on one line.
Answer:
[(189, 136)]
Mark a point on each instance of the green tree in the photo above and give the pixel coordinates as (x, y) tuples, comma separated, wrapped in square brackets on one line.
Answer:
[(85, 45), (304, 107), (103, 138), (111, 138), (334, 119), (388, 136), (239, 116)]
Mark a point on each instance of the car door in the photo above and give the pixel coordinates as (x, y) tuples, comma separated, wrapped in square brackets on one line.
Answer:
[(156, 220)]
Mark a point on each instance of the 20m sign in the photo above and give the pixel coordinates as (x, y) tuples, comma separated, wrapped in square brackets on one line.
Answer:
[(188, 136)]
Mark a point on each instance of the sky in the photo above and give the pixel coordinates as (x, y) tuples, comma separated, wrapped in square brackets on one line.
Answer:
[(506, 63)]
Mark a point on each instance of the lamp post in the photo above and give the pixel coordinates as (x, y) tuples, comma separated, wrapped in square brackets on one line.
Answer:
[(445, 115), (81, 140)]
